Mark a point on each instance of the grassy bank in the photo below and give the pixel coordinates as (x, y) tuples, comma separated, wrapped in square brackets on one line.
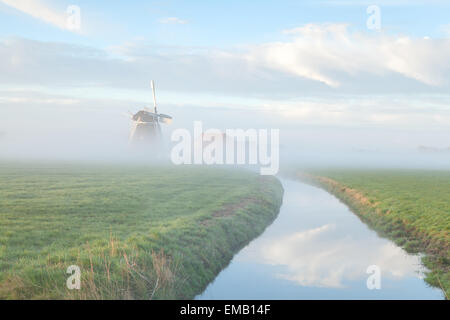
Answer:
[(135, 232), (410, 207)]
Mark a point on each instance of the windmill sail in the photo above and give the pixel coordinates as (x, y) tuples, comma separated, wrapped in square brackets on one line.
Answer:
[(154, 96)]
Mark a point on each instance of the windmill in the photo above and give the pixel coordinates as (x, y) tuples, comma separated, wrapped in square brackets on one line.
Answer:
[(145, 126)]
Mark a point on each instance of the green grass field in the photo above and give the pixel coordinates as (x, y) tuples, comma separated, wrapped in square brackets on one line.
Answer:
[(411, 207), (135, 232)]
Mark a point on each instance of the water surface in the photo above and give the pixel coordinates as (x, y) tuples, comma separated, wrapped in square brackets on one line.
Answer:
[(318, 249)]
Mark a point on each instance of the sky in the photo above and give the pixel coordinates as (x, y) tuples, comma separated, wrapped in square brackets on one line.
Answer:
[(318, 69)]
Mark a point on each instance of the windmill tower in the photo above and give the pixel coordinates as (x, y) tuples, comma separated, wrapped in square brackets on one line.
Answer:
[(145, 127)]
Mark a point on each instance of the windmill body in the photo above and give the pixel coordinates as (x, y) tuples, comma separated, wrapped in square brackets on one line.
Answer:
[(146, 126)]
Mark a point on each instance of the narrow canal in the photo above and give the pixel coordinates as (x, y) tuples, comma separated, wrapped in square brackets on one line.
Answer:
[(318, 249)]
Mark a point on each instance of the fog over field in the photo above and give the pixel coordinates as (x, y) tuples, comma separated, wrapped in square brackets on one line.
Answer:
[(98, 130)]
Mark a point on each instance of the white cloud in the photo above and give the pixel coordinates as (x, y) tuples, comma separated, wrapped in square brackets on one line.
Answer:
[(173, 20), (314, 60), (39, 10), (320, 74), (333, 55), (312, 260)]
